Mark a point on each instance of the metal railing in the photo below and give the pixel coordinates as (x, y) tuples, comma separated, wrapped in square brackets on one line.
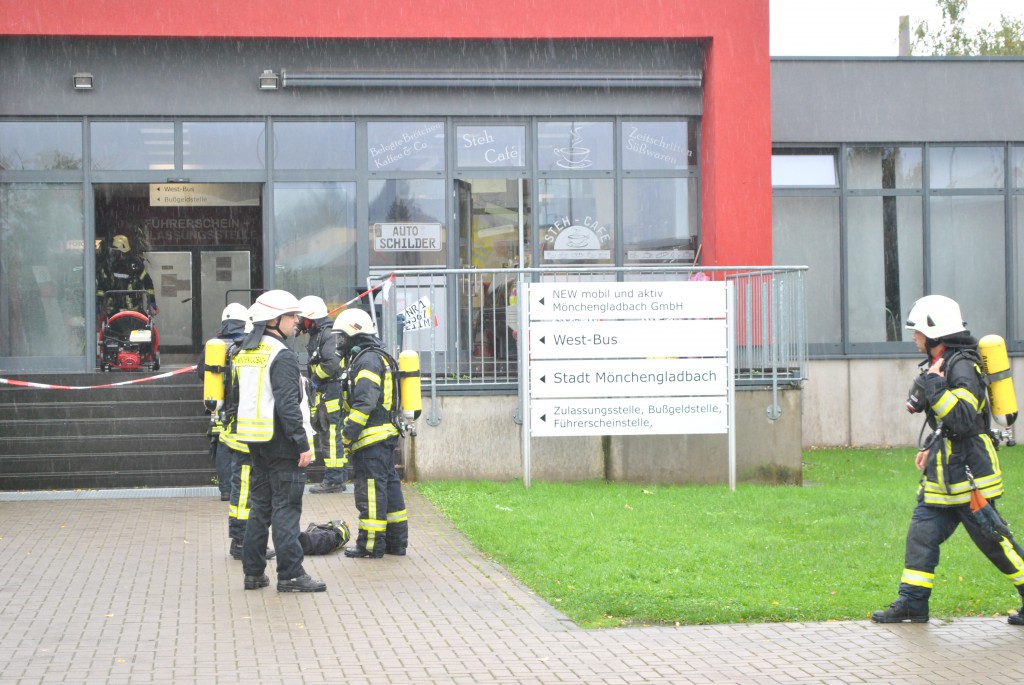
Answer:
[(470, 341)]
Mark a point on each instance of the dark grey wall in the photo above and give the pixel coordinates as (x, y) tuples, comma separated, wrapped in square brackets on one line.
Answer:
[(897, 100), (219, 77)]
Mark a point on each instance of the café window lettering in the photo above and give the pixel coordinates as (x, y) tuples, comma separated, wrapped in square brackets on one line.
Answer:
[(491, 146)]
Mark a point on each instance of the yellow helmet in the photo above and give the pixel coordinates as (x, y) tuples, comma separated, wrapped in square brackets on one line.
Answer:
[(120, 243)]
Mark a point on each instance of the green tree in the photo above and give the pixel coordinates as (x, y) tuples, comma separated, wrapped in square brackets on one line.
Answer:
[(952, 38)]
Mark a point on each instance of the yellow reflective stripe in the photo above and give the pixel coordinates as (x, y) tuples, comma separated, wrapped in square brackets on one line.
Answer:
[(373, 435), (398, 516), (319, 371), (333, 406), (1017, 578), (944, 404), (371, 524), (967, 396), (243, 493), (389, 388), (917, 578), (358, 417), (333, 460), (369, 375), (254, 430)]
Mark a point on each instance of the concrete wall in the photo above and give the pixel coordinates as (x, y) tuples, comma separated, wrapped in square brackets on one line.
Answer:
[(477, 438), (860, 403)]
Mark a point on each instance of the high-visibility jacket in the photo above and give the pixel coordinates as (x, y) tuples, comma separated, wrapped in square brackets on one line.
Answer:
[(251, 368), (958, 401)]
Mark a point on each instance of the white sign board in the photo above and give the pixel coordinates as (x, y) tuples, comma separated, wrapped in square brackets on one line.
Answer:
[(407, 237), (627, 301), (627, 339), (628, 378), (204, 195), (629, 416)]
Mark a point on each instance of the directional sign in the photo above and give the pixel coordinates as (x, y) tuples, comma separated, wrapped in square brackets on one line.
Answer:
[(204, 195), (650, 300), (629, 416), (628, 339), (629, 378)]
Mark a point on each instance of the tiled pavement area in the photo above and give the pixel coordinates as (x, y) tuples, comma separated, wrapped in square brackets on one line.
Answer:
[(142, 590)]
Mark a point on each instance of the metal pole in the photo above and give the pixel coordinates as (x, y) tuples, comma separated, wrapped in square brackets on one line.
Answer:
[(524, 372), (730, 363)]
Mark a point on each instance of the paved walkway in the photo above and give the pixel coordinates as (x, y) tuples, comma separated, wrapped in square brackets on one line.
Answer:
[(141, 590)]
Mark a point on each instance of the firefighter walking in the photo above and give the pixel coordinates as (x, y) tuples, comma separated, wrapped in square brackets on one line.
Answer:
[(960, 458), (370, 434)]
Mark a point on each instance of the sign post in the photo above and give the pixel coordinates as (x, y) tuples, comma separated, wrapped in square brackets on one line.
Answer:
[(645, 358)]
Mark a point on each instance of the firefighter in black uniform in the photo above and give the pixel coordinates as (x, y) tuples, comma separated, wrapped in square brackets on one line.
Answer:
[(124, 270), (961, 455), (370, 435), (325, 378)]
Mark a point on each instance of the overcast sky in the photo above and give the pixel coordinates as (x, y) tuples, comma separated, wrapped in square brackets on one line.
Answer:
[(859, 28)]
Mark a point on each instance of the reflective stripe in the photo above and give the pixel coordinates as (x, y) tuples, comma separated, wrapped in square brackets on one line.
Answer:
[(373, 435), (358, 417), (398, 516), (369, 375), (371, 524), (333, 406), (965, 395), (334, 460), (1017, 578), (917, 578), (944, 404), (243, 494)]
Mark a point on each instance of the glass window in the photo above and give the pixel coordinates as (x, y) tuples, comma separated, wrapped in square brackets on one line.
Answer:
[(1018, 271), (36, 145), (405, 145), (315, 240), (804, 170), (805, 232), (659, 219), (407, 226), (965, 167), (314, 145), (885, 243), (222, 144), (1017, 160), (575, 146), (662, 145), (42, 271), (883, 168), (491, 146), (132, 145), (576, 220), (967, 258)]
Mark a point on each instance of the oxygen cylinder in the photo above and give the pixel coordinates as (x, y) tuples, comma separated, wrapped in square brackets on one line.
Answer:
[(214, 359), (412, 399), (996, 365)]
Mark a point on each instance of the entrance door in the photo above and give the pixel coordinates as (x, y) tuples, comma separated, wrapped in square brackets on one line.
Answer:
[(494, 230), (223, 277)]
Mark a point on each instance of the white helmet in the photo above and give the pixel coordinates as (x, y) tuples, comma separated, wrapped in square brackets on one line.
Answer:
[(936, 316), (235, 312), (313, 308), (353, 322), (273, 304)]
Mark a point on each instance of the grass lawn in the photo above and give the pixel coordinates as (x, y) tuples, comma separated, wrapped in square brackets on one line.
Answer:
[(625, 554)]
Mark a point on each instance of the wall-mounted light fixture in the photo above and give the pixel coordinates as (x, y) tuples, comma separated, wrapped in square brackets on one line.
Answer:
[(269, 80), (82, 80)]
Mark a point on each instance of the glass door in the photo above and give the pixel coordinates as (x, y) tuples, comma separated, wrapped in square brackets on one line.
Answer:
[(493, 218)]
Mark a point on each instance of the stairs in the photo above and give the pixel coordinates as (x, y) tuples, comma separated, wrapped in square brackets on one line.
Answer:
[(150, 434)]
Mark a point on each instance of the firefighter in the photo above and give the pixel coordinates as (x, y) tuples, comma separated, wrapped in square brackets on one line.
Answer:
[(369, 434), (952, 392), (124, 270), (273, 420), (325, 379)]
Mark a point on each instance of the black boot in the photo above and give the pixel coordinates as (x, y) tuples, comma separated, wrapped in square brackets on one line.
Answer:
[(301, 584), (236, 551), (360, 553), (1016, 619), (903, 609)]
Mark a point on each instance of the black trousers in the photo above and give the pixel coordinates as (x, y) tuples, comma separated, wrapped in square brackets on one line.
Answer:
[(276, 498), (383, 519)]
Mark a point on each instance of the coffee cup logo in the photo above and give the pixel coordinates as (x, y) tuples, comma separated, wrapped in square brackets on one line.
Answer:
[(575, 156)]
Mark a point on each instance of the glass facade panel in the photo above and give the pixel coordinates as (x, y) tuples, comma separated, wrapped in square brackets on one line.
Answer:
[(38, 145), (804, 170), (575, 146), (883, 168), (885, 240), (314, 240), (315, 145), (967, 258), (42, 270), (965, 167), (576, 221), (132, 145), (407, 226), (490, 146), (223, 144), (1018, 273), (664, 145), (405, 145), (805, 232), (1017, 165), (659, 221)]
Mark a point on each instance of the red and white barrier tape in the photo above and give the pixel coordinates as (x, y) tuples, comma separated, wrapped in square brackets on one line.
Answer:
[(48, 386)]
